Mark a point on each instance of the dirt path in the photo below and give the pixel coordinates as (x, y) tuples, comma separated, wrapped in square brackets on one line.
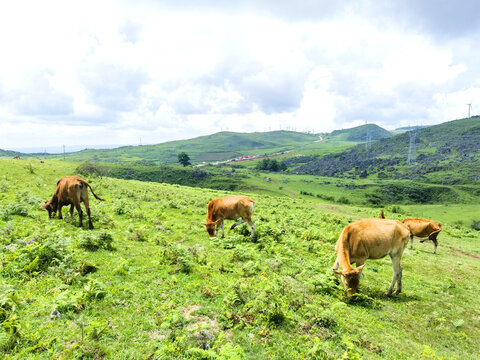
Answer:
[(455, 250), (473, 256), (335, 209), (289, 192)]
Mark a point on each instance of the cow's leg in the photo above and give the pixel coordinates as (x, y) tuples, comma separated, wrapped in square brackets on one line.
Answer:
[(80, 213), (252, 226), (87, 208), (71, 210), (220, 225), (90, 224), (397, 275), (237, 223), (433, 237), (411, 242), (60, 211), (249, 221)]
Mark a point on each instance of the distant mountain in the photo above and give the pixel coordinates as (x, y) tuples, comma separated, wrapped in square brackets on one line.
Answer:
[(447, 153), (9, 153), (59, 149), (219, 146), (360, 133)]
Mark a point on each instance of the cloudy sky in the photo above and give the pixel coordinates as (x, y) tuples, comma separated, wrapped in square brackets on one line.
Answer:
[(121, 72)]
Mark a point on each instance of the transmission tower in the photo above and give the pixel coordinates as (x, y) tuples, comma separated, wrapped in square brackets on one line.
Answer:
[(412, 149)]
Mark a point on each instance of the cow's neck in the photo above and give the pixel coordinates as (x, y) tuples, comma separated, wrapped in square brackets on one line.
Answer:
[(343, 256)]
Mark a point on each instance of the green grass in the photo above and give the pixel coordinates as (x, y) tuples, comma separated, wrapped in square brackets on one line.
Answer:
[(163, 290)]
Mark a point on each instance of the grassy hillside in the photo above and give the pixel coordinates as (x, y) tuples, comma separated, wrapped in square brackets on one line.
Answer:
[(448, 153), (148, 283), (219, 146), (360, 133)]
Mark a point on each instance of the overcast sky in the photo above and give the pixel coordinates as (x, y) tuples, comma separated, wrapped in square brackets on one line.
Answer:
[(114, 72)]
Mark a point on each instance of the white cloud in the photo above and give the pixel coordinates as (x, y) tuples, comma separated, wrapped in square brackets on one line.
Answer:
[(454, 105), (168, 70)]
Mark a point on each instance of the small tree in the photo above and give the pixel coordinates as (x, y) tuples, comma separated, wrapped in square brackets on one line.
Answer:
[(184, 159)]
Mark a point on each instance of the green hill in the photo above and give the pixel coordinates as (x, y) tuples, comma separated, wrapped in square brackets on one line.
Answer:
[(448, 153), (360, 133), (9, 153), (219, 146)]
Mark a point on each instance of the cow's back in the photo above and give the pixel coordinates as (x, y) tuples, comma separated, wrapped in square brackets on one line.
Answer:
[(71, 189), (62, 190), (375, 238)]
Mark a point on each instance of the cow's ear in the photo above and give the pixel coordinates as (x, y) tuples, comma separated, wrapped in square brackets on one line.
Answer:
[(219, 220), (359, 268), (338, 272), (43, 207), (204, 224)]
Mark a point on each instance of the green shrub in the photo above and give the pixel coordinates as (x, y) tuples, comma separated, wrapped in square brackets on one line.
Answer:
[(89, 168), (180, 256), (137, 235), (67, 301), (94, 290), (8, 301), (15, 208), (475, 225), (95, 241), (11, 334), (3, 187), (34, 257), (343, 200)]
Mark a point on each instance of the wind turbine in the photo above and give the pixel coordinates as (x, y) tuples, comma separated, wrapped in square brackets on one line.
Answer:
[(469, 107)]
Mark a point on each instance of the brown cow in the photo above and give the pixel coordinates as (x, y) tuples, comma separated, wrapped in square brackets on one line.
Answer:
[(370, 239), (231, 208), (71, 190), (423, 228)]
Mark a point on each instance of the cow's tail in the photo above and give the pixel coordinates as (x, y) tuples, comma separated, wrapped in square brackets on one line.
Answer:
[(96, 196), (342, 249)]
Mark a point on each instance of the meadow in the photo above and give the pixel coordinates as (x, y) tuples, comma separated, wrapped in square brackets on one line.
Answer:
[(148, 282)]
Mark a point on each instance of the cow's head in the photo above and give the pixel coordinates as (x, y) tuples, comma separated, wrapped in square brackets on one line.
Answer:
[(210, 226), (351, 279), (50, 207)]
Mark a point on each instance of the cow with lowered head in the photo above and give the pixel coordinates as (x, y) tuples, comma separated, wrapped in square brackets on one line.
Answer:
[(370, 239), (229, 207), (71, 190)]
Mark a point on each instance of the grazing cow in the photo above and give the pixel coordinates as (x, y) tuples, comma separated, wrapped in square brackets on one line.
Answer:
[(71, 190), (382, 214), (370, 239), (231, 208), (423, 228)]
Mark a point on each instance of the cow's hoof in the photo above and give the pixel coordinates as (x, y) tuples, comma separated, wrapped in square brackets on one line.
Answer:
[(388, 294)]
